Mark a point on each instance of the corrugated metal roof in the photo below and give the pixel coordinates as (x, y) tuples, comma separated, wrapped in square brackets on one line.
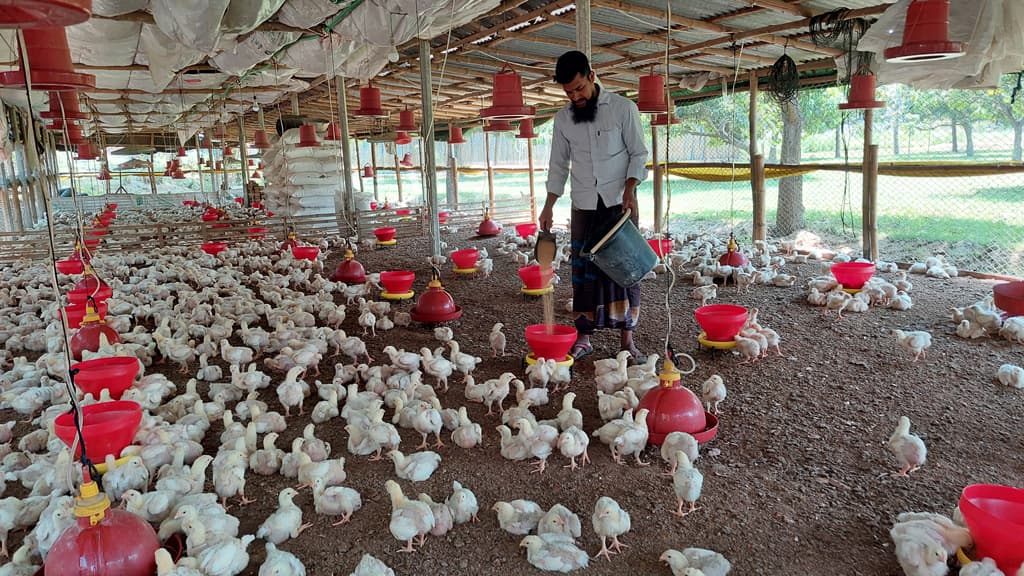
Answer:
[(539, 49), (564, 32), (760, 19)]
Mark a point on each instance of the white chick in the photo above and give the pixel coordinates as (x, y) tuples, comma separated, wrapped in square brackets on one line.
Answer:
[(569, 416), (679, 442), (468, 434), (152, 506), (901, 301), (518, 516), (970, 330), (1013, 329), (132, 475), (291, 391), (704, 293), (285, 522), (713, 391), (497, 340), (984, 567), (919, 551), (371, 566), (748, 348), (1010, 375), (908, 448), (553, 554), (913, 341), (335, 500), (573, 443), (281, 563), (560, 521), (463, 504), (708, 562), (444, 519), (443, 334), (687, 483), (609, 521), (410, 519), (416, 467)]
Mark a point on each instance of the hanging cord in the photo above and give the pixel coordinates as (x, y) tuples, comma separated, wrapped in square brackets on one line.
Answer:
[(783, 79), (737, 55), (31, 141), (80, 231), (846, 203)]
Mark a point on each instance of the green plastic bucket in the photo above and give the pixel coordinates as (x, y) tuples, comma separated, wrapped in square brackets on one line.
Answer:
[(621, 252)]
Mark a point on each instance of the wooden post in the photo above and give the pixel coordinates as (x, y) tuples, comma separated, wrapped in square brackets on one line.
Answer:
[(295, 103), (12, 207), (152, 175), (214, 193), (106, 161), (348, 200), (398, 174), (869, 188), (752, 115), (373, 164), (429, 171), (760, 231), (199, 168), (657, 183), (533, 194), (583, 42), (490, 174), (359, 166), (244, 155)]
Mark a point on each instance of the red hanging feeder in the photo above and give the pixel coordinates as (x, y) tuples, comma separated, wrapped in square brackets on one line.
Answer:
[(406, 160), (498, 126), (305, 253), (488, 227), (228, 151), (70, 266), (527, 229), (402, 138), (50, 60), (213, 248), (367, 171), (333, 133), (925, 35), (661, 246), (86, 151), (526, 128), (88, 335), (114, 373), (554, 344), (435, 305), (76, 313), (108, 427), (652, 94), (507, 97), (74, 136), (63, 105), (89, 285), (397, 284), (219, 166), (178, 174), (663, 120), (862, 93), (406, 121), (674, 408), (733, 256), (250, 163), (44, 13), (257, 232), (288, 244), (349, 270), (260, 140), (456, 136), (182, 152), (369, 102), (258, 176)]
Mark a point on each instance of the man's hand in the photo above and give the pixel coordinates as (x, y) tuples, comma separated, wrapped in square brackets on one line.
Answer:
[(629, 201), (545, 220)]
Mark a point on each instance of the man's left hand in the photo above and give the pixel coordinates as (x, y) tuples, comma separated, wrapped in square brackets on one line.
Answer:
[(629, 201)]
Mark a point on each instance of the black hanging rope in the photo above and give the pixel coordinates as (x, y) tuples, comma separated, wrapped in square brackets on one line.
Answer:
[(784, 80), (836, 28)]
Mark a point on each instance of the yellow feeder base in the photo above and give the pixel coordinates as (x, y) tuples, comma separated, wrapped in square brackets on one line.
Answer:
[(537, 291), (386, 243), (465, 270), (852, 290), (569, 360), (703, 339), (102, 466), (390, 296)]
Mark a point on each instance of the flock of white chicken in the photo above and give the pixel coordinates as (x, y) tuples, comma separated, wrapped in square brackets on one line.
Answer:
[(285, 319)]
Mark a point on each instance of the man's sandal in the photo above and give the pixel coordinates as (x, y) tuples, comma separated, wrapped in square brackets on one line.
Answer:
[(580, 350)]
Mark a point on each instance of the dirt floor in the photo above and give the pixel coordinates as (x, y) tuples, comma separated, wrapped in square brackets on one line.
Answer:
[(798, 483)]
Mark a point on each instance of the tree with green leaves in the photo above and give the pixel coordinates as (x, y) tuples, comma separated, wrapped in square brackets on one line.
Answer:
[(1004, 110)]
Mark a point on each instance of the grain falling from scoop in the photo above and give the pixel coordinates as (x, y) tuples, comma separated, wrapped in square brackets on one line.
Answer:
[(545, 256)]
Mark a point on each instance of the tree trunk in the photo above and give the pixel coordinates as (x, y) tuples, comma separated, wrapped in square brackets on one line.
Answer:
[(969, 137), (955, 147), (1018, 131), (789, 216), (773, 154), (895, 136), (839, 143)]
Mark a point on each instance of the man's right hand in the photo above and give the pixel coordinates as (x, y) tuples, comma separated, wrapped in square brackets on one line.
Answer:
[(546, 219)]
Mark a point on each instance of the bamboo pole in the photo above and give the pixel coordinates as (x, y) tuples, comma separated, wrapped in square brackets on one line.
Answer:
[(453, 173), (373, 164), (152, 176), (12, 206), (214, 193), (429, 174), (760, 231), (658, 180), (359, 167), (752, 114), (490, 173), (533, 193), (243, 153), (106, 161), (348, 204), (869, 181), (398, 174)]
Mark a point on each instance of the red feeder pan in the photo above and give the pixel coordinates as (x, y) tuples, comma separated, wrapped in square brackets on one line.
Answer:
[(488, 227), (349, 270), (90, 283), (442, 217), (435, 305), (367, 171), (554, 346), (64, 105), (221, 225), (44, 13), (1009, 297), (526, 129), (853, 275), (925, 34), (208, 217), (257, 232), (397, 281), (385, 234), (88, 335), (70, 266), (115, 373), (533, 278), (260, 140), (674, 408), (51, 63), (214, 248), (465, 259), (456, 136), (76, 312), (108, 427), (406, 121), (92, 243), (663, 120), (721, 322), (995, 516), (305, 252), (403, 211), (661, 246), (527, 229), (498, 126), (369, 102), (307, 136)]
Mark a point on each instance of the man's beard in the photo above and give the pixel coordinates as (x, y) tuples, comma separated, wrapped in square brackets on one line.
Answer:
[(589, 110)]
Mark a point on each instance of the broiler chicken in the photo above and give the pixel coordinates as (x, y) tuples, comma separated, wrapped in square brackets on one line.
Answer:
[(573, 443), (469, 434), (497, 340), (235, 354), (464, 363), (290, 391), (554, 554), (444, 519), (712, 392), (153, 507), (132, 475), (632, 439), (569, 416), (687, 482), (437, 366), (267, 460), (410, 519), (226, 557), (371, 566), (679, 442), (416, 467), (428, 421), (281, 563), (560, 521), (335, 501), (331, 471), (463, 504), (540, 441), (707, 562), (518, 516), (913, 341), (285, 522), (609, 521), (909, 449)]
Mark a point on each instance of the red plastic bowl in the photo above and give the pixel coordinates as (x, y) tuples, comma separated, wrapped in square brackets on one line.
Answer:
[(532, 277), (465, 259), (208, 217), (214, 248), (106, 426), (397, 281), (853, 275), (721, 322), (442, 217), (403, 211), (112, 206), (257, 233), (528, 229), (81, 295), (554, 346), (76, 312), (70, 266), (660, 246), (305, 252), (995, 516), (92, 243), (115, 373), (99, 232), (1009, 297), (384, 234)]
